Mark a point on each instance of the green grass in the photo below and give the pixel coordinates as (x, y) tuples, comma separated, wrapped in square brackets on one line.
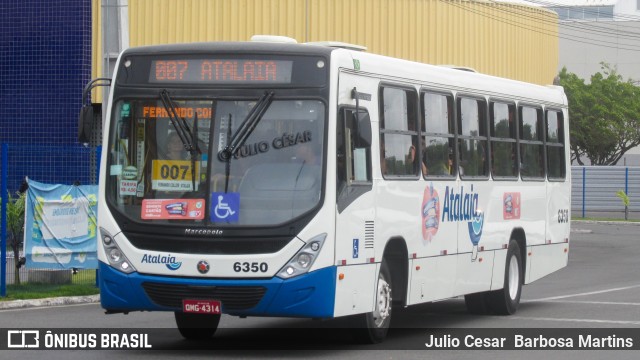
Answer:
[(83, 283)]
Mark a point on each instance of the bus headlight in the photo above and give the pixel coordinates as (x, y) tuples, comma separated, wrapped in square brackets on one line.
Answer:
[(114, 255), (301, 262)]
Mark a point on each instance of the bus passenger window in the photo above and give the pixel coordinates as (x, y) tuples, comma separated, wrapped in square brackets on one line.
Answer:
[(555, 145), (438, 139), (472, 138), (503, 140), (531, 145), (398, 133)]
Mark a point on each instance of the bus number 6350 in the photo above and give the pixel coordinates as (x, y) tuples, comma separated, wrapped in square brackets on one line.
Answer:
[(250, 267)]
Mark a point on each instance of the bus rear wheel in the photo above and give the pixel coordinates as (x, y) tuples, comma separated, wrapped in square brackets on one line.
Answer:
[(477, 303), (197, 326), (373, 326), (506, 300)]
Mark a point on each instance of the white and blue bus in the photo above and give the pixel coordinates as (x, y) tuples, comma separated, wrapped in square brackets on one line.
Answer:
[(321, 181)]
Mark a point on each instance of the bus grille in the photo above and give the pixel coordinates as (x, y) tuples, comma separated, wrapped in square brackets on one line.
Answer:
[(231, 297)]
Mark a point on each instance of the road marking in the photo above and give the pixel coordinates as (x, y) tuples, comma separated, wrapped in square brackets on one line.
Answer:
[(581, 231), (618, 322), (584, 294), (594, 302)]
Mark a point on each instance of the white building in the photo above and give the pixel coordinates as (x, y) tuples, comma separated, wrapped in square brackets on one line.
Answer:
[(596, 31)]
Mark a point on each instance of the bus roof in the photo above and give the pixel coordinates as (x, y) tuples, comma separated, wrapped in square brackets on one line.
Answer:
[(449, 78), (389, 68), (232, 47)]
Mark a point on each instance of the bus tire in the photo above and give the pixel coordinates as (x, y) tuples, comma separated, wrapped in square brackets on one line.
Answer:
[(477, 303), (197, 326), (373, 326), (506, 300)]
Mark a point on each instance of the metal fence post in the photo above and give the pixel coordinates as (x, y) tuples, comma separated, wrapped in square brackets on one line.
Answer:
[(626, 181), (584, 190), (3, 236)]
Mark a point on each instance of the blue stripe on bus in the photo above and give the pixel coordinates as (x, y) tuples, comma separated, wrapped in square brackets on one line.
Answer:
[(309, 295)]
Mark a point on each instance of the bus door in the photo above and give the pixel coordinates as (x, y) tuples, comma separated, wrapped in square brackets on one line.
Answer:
[(355, 210)]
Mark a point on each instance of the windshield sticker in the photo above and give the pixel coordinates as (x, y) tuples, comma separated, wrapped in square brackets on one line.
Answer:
[(511, 206), (128, 187), (225, 207), (173, 175), (278, 143), (430, 214), (173, 209), (115, 170), (130, 173)]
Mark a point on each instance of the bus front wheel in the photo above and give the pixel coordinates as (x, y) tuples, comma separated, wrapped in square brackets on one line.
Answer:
[(197, 326), (375, 325)]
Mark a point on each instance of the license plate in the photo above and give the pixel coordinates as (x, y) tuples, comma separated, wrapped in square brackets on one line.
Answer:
[(201, 306)]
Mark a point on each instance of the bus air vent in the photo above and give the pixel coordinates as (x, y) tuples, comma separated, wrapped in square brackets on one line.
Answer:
[(274, 39), (338, 44), (369, 234), (462, 68)]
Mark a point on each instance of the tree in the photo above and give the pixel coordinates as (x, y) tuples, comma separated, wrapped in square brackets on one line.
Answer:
[(604, 116), (15, 225)]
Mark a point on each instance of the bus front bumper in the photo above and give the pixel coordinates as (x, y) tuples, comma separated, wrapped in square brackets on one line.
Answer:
[(308, 295)]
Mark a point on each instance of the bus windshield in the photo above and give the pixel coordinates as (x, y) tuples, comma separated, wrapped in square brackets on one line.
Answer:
[(274, 177)]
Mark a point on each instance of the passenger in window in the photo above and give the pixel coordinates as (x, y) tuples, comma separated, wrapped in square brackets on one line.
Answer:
[(451, 165), (175, 148), (413, 155), (425, 168)]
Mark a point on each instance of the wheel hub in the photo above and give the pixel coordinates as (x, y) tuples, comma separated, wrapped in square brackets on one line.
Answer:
[(383, 302)]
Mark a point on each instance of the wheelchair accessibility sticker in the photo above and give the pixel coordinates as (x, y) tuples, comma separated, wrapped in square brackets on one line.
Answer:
[(225, 207)]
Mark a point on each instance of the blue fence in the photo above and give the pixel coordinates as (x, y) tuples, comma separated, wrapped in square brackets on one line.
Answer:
[(55, 164), (594, 188)]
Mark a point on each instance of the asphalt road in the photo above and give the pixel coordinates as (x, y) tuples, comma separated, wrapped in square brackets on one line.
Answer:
[(599, 289)]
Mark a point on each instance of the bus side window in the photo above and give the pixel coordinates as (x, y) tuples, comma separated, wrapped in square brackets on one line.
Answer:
[(399, 132), (472, 138), (555, 145), (353, 149), (531, 143)]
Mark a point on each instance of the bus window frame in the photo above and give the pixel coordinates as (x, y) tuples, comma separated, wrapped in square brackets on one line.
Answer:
[(562, 143), (540, 110), (508, 102), (416, 132), (344, 196), (449, 136), (459, 136)]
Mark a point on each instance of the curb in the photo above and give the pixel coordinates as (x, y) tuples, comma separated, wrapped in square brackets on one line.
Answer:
[(46, 302)]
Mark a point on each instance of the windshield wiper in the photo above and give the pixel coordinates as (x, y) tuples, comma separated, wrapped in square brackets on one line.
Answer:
[(189, 138), (246, 128), (179, 124)]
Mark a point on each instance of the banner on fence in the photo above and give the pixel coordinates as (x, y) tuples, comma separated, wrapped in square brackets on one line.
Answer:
[(61, 226)]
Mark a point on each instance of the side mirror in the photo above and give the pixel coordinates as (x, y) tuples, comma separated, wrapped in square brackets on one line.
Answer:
[(85, 119), (85, 124), (363, 122)]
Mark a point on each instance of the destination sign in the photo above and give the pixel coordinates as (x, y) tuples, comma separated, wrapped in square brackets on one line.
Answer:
[(221, 71)]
